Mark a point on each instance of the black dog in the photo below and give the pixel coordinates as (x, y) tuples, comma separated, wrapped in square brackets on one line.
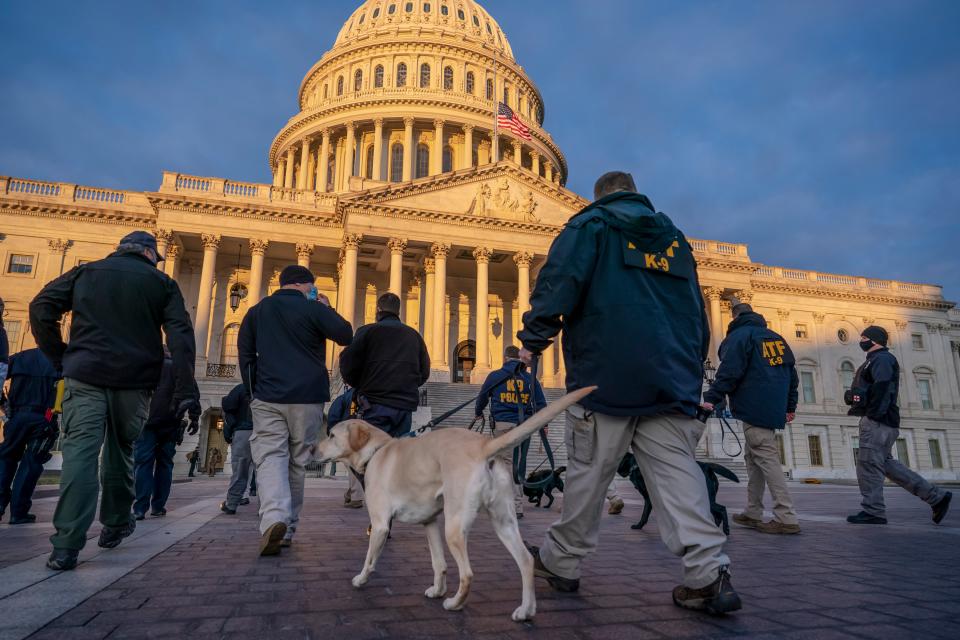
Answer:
[(629, 469), (546, 482)]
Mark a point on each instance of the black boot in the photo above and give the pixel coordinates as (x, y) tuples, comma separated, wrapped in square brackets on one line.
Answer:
[(27, 519), (63, 559), (559, 583), (939, 510), (111, 537), (865, 518), (716, 598)]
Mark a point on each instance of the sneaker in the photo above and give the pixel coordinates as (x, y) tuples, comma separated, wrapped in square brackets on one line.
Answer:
[(111, 537), (63, 559), (244, 502), (865, 518), (27, 519), (272, 539), (775, 526), (717, 598), (616, 507), (563, 585), (158, 513), (939, 510), (287, 541), (227, 510), (354, 504), (139, 515), (519, 515), (744, 520)]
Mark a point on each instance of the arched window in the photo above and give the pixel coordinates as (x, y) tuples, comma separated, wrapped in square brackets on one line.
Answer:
[(376, 13), (402, 74), (392, 9), (396, 163), (425, 75), (470, 82), (476, 21), (340, 86), (846, 374), (447, 159), (448, 79), (363, 17), (489, 89), (378, 76), (423, 161), (409, 7), (461, 14), (444, 10), (426, 7), (369, 163), (228, 345), (358, 80)]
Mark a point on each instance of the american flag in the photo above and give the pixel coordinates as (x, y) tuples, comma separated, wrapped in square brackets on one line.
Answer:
[(507, 119)]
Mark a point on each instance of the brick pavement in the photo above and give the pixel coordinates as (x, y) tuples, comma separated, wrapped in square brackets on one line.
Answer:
[(833, 581)]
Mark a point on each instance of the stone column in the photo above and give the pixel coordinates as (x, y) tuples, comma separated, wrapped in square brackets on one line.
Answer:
[(348, 159), (278, 173), (288, 168), (258, 249), (211, 243), (55, 264), (535, 162), (172, 266), (304, 164), (323, 162), (409, 153), (304, 253), (426, 301), (378, 149), (548, 171), (518, 153), (713, 294), (164, 237), (784, 315), (348, 281), (440, 252), (436, 158), (523, 259), (397, 247), (468, 146), (548, 364), (482, 255)]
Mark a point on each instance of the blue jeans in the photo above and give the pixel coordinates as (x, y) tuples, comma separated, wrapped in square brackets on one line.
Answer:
[(395, 422), (153, 470), (21, 462)]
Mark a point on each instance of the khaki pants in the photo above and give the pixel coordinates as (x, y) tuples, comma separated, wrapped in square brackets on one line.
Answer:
[(762, 457), (96, 418), (664, 447), (283, 435)]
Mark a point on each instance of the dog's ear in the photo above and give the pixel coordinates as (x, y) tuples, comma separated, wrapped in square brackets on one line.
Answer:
[(359, 436)]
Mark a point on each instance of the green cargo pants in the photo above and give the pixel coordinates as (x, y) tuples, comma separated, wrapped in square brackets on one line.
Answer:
[(95, 418)]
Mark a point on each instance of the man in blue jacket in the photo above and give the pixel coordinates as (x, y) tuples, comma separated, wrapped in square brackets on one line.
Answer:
[(237, 429), (758, 372), (621, 283), (29, 434), (341, 409), (282, 346), (873, 397), (507, 391)]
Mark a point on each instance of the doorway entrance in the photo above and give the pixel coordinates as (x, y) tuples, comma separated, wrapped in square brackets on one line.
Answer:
[(465, 359)]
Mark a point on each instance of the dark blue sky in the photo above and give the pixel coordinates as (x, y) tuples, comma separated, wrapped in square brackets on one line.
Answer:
[(823, 133)]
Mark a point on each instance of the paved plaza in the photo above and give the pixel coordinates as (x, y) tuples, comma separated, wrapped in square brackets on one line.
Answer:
[(196, 573)]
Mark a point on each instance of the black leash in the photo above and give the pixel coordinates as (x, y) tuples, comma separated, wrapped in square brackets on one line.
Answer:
[(520, 458), (724, 427)]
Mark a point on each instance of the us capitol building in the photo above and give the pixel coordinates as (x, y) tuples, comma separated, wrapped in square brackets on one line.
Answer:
[(390, 176)]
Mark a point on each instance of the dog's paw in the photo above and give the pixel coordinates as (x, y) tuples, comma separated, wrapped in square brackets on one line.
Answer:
[(359, 581), (524, 613), (435, 592), (452, 604)]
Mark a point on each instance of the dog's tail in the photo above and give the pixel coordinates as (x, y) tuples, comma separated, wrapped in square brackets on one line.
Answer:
[(539, 420)]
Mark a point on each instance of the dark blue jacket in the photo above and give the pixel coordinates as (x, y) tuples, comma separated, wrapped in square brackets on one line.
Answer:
[(341, 409), (4, 353), (283, 344), (878, 379), (500, 391), (758, 372), (621, 283), (236, 412), (33, 383)]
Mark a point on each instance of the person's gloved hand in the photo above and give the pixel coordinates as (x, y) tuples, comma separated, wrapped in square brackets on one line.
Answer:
[(194, 427)]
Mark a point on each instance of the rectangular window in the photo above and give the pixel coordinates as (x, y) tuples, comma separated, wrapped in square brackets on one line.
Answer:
[(13, 328), (902, 454), (816, 453), (936, 456), (926, 394), (917, 339), (781, 451), (20, 264), (802, 332), (806, 382)]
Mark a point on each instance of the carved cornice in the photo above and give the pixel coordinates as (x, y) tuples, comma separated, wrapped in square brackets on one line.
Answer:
[(248, 210), (523, 259), (258, 246), (855, 296), (103, 216)]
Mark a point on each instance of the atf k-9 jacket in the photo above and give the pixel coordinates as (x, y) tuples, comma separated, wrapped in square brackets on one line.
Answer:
[(758, 372), (507, 390), (877, 383), (621, 283)]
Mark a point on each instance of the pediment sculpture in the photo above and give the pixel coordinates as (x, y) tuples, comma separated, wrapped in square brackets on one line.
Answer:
[(496, 200)]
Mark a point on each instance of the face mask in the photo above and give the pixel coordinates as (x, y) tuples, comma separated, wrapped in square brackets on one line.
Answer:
[(313, 294), (866, 345)]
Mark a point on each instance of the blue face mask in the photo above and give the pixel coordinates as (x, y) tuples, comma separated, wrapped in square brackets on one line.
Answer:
[(313, 294)]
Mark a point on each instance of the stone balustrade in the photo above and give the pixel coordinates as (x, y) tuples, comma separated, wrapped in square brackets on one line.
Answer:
[(248, 191), (838, 281), (67, 193)]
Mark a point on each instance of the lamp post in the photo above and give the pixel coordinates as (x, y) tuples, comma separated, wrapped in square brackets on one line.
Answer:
[(709, 372), (238, 292)]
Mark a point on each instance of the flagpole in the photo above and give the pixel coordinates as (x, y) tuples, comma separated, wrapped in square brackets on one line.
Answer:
[(495, 144)]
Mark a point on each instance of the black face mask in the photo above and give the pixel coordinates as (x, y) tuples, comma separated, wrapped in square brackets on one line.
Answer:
[(866, 345)]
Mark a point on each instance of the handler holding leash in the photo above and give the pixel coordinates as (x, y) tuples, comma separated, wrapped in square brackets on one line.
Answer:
[(621, 283)]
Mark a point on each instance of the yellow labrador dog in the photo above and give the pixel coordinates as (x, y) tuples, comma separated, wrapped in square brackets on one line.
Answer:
[(449, 471)]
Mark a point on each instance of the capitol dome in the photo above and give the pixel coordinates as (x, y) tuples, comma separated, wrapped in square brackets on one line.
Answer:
[(410, 90)]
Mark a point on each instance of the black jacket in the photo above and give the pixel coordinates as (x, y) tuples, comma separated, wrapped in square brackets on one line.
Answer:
[(236, 412), (500, 391), (283, 343), (387, 363), (163, 419), (33, 383), (877, 381), (119, 304), (758, 371), (621, 283)]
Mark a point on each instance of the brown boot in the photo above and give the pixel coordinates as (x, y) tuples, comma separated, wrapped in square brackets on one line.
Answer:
[(775, 526), (717, 598), (272, 538), (616, 507), (744, 520)]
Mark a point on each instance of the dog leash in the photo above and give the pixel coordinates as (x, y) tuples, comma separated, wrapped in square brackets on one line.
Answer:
[(724, 427)]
